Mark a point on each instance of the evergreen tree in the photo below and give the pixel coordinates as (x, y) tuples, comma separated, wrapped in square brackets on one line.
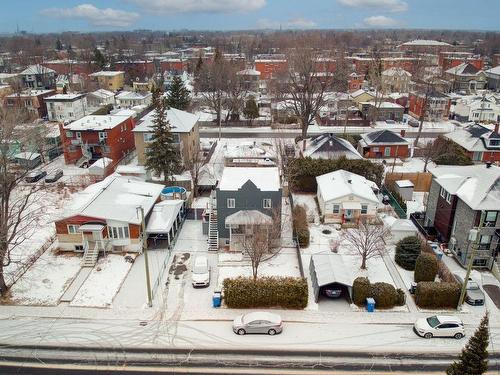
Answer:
[(474, 357), (251, 110), (162, 157), (99, 59), (178, 96), (59, 45)]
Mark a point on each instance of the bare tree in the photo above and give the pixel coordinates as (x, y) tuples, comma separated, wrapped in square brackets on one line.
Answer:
[(194, 165), (376, 80), (367, 240), (235, 94)]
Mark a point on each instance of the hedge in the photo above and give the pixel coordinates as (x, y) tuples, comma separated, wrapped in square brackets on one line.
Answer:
[(407, 251), (437, 295), (283, 292), (426, 268), (385, 295), (305, 171), (360, 290), (300, 225)]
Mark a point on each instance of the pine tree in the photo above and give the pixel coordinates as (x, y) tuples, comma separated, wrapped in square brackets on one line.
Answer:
[(99, 59), (251, 110), (178, 96), (59, 45), (474, 357), (162, 157)]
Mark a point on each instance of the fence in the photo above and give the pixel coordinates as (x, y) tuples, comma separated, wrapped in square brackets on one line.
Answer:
[(325, 121), (421, 180), (296, 241), (394, 203)]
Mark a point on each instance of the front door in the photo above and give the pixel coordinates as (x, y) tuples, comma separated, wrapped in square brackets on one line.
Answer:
[(348, 214)]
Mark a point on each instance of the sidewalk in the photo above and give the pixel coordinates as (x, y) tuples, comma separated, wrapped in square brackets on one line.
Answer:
[(410, 302)]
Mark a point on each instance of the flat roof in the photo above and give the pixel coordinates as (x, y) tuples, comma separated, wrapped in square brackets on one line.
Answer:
[(96, 122)]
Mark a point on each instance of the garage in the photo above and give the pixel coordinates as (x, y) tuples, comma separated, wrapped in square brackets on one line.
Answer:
[(328, 270)]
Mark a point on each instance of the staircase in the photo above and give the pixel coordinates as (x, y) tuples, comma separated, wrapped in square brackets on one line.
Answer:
[(213, 232), (90, 255)]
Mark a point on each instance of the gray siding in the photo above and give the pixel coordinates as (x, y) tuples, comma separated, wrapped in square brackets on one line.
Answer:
[(432, 200)]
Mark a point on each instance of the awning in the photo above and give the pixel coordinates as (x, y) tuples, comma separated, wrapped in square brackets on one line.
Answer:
[(91, 227), (351, 206), (248, 217)]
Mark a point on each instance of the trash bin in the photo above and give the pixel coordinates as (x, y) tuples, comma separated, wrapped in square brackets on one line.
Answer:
[(370, 304), (413, 287), (216, 299), (439, 254)]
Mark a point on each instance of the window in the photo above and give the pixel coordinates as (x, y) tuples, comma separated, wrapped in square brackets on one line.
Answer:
[(69, 134), (78, 247), (336, 208), (73, 229), (448, 197), (78, 135), (103, 136), (267, 203), (231, 203), (485, 242), (442, 193), (176, 138), (118, 232), (494, 142), (479, 262), (148, 137), (387, 151), (491, 218), (364, 209), (477, 156)]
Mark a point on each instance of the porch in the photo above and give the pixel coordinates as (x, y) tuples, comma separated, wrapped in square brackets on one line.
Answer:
[(245, 223)]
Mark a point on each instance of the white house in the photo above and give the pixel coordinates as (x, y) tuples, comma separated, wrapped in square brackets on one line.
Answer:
[(478, 108), (100, 98), (129, 99), (66, 107), (346, 197)]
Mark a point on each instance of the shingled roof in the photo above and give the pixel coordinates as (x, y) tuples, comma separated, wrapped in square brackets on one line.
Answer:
[(383, 137)]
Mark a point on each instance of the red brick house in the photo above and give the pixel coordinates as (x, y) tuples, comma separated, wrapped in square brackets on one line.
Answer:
[(480, 143), (31, 100), (94, 137), (268, 67), (438, 107), (383, 144), (175, 66)]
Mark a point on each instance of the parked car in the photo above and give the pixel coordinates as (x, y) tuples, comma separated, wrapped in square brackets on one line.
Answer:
[(413, 123), (35, 176), (55, 175), (332, 291), (439, 326), (390, 122), (201, 272), (258, 322), (475, 295)]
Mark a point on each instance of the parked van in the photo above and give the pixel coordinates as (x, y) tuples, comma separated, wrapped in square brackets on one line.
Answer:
[(201, 272)]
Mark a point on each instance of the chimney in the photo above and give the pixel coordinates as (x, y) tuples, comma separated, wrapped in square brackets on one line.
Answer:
[(488, 164), (349, 181), (496, 127), (403, 132)]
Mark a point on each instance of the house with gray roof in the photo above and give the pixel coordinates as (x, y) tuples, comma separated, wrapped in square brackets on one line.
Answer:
[(480, 143), (383, 144), (466, 77), (328, 146)]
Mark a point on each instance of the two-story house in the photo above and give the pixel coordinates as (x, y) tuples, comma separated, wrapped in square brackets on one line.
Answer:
[(462, 198), (396, 80), (38, 77), (100, 98), (184, 128), (32, 101), (109, 80), (480, 143), (436, 108), (466, 77), (66, 107), (247, 198), (97, 136), (383, 144)]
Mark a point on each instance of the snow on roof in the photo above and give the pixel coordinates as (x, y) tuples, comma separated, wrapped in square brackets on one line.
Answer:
[(96, 122), (425, 42), (64, 97), (108, 73), (359, 92), (264, 178), (30, 93), (125, 112), (132, 95), (386, 105), (27, 155), (395, 71), (464, 69), (330, 268), (102, 163), (476, 185), (404, 183), (495, 70), (163, 216), (341, 183), (180, 121), (248, 217), (471, 137), (403, 225), (248, 72), (130, 169), (384, 136), (37, 69), (102, 93), (329, 146), (115, 198)]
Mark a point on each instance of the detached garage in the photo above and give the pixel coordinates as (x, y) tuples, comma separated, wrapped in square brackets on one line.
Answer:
[(326, 269)]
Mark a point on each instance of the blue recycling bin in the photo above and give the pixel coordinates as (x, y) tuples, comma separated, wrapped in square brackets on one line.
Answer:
[(370, 304), (216, 299), (439, 254)]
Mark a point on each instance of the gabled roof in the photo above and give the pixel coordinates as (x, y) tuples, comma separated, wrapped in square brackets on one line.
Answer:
[(476, 185), (102, 93), (329, 146), (37, 69), (472, 137), (383, 137), (464, 69), (495, 70), (394, 71), (180, 121), (341, 183), (106, 73), (264, 178), (132, 95)]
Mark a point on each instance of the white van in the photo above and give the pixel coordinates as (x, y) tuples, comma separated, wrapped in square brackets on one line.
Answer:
[(201, 272)]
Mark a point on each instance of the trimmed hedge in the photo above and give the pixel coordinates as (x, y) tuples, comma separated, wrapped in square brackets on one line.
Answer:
[(436, 295), (300, 225), (407, 251), (401, 297), (283, 292), (426, 268), (360, 290), (385, 295), (305, 171)]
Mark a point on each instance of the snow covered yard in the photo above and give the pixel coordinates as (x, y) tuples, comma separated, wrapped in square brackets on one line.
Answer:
[(103, 282), (309, 203), (45, 282)]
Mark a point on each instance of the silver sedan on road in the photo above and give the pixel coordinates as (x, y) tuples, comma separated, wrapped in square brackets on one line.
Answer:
[(258, 322)]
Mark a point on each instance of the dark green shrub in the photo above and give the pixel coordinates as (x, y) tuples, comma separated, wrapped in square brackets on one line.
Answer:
[(384, 294), (426, 267), (436, 295), (407, 251), (360, 290), (401, 297), (300, 225), (283, 292)]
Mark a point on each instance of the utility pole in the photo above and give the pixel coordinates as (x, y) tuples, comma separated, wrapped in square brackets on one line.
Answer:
[(145, 250), (474, 235)]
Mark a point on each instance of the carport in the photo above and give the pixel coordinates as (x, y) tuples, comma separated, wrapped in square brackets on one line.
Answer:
[(328, 268)]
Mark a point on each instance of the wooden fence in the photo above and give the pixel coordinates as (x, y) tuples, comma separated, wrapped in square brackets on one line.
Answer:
[(421, 180)]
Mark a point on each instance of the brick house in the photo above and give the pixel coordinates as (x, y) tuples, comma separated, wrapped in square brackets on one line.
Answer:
[(438, 106), (270, 67), (31, 100), (383, 144), (96, 136), (462, 198), (480, 143)]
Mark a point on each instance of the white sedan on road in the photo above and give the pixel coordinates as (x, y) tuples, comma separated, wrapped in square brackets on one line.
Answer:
[(439, 326)]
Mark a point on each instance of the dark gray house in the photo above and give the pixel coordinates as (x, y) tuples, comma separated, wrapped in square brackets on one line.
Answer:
[(246, 197), (462, 198)]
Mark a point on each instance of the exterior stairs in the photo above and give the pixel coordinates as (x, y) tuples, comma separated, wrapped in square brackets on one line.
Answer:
[(90, 255), (213, 232)]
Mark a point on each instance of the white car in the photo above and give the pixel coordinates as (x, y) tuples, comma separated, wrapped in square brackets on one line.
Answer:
[(439, 326), (201, 272)]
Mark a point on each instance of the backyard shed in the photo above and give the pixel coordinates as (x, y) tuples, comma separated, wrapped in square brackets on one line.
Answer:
[(405, 189)]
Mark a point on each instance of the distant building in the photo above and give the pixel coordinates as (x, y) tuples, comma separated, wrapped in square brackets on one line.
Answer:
[(438, 106), (39, 77), (129, 99), (426, 46), (66, 107), (466, 77), (31, 100), (270, 67), (493, 77), (100, 98), (381, 111), (110, 80), (396, 80)]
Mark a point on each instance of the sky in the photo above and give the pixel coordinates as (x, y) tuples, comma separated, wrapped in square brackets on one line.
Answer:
[(40, 16)]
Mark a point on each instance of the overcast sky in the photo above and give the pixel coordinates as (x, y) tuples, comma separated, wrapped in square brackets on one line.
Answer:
[(62, 15)]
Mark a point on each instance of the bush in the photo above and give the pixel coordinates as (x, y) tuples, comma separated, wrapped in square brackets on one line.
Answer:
[(283, 292), (436, 295), (300, 225), (384, 294), (401, 300), (394, 192), (407, 251), (426, 267), (360, 290)]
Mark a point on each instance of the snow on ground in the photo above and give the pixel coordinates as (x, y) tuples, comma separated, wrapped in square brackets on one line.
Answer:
[(410, 165), (309, 203), (406, 275), (45, 281), (417, 204), (200, 202), (103, 282)]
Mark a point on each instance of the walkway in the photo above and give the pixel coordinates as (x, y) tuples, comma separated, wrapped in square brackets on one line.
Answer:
[(389, 263)]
